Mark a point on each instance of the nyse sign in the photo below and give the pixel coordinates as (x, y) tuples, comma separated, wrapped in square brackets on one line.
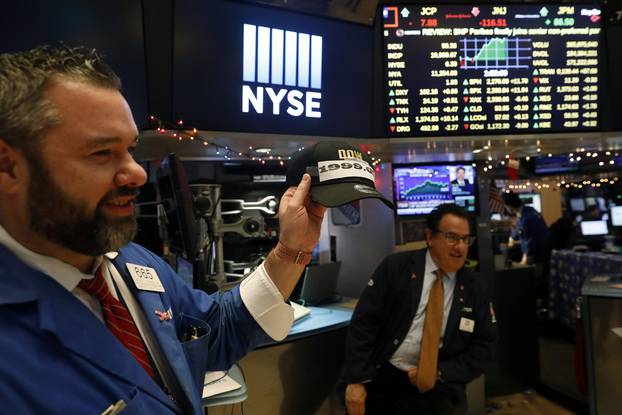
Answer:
[(307, 103), (281, 59)]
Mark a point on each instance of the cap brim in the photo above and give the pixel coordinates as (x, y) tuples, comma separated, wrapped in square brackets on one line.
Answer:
[(338, 194)]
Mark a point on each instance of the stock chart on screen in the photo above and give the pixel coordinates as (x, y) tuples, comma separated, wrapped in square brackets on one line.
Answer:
[(418, 189), (488, 69)]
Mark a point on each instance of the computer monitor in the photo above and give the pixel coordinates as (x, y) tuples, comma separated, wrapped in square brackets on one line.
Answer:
[(418, 189), (594, 228), (577, 204), (590, 201), (616, 215), (531, 199), (319, 283)]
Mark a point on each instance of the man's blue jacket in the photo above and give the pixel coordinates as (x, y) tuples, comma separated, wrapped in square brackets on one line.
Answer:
[(57, 357)]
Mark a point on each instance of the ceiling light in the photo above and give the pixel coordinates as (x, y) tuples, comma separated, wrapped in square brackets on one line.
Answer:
[(263, 150)]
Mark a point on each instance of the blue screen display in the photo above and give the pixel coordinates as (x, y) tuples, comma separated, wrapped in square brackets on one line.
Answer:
[(419, 189)]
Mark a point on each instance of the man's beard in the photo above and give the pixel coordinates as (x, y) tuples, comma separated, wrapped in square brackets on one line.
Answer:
[(66, 222)]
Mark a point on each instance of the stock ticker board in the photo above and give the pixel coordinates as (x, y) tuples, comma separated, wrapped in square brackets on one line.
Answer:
[(488, 69)]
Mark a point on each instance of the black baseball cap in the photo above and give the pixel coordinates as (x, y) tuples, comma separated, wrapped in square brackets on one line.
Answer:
[(340, 173)]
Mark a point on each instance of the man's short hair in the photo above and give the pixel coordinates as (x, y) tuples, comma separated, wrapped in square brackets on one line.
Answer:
[(461, 168), (24, 78), (434, 218)]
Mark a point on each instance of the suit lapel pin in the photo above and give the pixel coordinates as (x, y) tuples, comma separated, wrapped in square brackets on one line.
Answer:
[(164, 315), (413, 276)]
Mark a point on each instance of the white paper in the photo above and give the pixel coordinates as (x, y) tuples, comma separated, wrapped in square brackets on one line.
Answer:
[(212, 376), (221, 383), (299, 310)]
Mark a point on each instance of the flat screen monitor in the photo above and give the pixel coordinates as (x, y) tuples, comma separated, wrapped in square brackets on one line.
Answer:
[(250, 68), (85, 23), (531, 199), (491, 68), (594, 228), (174, 193), (555, 164), (616, 216), (420, 188), (577, 204)]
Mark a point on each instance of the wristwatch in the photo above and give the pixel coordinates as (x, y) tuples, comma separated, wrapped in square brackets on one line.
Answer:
[(291, 255)]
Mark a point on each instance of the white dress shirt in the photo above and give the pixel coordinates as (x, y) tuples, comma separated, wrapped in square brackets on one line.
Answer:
[(407, 354), (259, 294)]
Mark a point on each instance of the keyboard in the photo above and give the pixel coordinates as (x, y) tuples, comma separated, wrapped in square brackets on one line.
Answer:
[(299, 310)]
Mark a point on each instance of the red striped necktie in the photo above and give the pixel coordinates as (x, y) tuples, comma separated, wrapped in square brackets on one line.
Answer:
[(118, 319)]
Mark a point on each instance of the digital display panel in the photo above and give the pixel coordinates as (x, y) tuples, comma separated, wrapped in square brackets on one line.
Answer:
[(531, 199), (616, 215), (594, 227), (419, 189), (88, 24), (243, 67), (577, 204), (554, 164), (487, 69)]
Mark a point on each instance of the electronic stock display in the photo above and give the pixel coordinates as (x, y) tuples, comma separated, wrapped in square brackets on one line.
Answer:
[(487, 69), (418, 189)]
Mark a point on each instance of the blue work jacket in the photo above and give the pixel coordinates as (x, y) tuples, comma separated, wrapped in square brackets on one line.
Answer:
[(57, 357)]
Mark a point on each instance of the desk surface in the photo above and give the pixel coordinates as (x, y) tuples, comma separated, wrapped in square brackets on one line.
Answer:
[(321, 319)]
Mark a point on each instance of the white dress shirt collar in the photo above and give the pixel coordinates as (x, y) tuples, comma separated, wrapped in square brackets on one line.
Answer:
[(66, 275), (430, 265)]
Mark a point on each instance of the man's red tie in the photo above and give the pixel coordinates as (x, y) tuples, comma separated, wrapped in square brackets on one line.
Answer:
[(118, 319)]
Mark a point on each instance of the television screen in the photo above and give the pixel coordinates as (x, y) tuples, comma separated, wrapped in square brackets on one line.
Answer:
[(419, 189), (594, 227), (531, 199), (495, 68), (554, 164), (244, 67), (616, 215), (577, 204), (85, 23)]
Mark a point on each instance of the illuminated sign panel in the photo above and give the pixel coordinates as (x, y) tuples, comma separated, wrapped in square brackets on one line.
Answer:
[(247, 68), (489, 69), (278, 57)]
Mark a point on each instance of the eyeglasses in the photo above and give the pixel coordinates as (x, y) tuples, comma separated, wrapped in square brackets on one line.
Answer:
[(454, 238)]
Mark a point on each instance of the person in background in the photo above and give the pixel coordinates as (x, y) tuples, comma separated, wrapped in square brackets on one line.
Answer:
[(592, 213), (423, 328), (530, 231), (92, 323)]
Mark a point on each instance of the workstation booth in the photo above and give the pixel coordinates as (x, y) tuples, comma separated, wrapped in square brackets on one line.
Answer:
[(465, 103)]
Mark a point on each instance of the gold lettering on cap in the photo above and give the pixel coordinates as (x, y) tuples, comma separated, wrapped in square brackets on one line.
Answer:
[(350, 154)]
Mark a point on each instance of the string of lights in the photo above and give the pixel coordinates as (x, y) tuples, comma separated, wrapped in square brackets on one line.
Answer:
[(180, 132), (564, 182), (603, 158)]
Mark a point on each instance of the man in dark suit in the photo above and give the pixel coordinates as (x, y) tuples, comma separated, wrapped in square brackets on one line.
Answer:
[(460, 182), (423, 327)]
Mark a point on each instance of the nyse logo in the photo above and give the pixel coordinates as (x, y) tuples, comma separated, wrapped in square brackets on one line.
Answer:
[(282, 59)]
